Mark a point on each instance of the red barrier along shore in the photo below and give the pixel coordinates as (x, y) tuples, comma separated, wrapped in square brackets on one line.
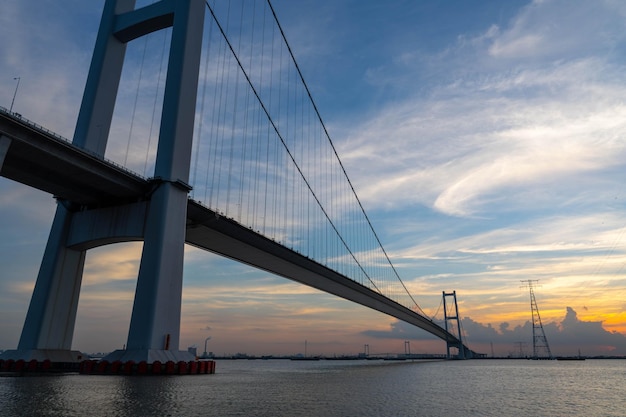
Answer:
[(34, 366), (93, 367)]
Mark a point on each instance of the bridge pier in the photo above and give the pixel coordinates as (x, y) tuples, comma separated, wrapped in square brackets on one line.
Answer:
[(155, 321), (160, 220)]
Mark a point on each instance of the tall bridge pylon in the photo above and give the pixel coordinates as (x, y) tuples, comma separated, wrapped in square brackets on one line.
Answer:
[(451, 314), (158, 218)]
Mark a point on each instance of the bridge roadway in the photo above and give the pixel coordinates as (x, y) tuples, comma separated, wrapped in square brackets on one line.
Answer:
[(36, 157)]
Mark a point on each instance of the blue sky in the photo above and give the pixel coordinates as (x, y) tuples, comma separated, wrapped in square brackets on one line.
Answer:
[(486, 140)]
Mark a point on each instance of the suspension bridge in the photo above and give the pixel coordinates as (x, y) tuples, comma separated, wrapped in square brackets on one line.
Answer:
[(213, 140)]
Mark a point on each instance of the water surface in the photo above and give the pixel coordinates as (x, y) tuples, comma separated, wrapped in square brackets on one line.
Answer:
[(334, 388)]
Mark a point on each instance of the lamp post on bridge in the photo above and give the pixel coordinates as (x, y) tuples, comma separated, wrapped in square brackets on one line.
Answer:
[(15, 93)]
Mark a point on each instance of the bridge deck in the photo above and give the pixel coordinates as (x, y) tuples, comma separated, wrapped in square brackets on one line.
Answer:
[(209, 231), (43, 160)]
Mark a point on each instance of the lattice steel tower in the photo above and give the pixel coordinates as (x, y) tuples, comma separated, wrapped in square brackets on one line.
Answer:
[(541, 349)]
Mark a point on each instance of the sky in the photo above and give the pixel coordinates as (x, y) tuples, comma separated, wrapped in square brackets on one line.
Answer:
[(485, 139)]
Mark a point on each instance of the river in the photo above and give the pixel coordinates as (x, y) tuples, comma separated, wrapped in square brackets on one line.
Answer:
[(334, 388)]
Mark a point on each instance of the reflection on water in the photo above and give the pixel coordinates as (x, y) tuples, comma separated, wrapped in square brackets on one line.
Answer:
[(333, 388)]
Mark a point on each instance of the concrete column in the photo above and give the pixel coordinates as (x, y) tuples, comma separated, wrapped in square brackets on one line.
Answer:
[(49, 325), (96, 110), (155, 323)]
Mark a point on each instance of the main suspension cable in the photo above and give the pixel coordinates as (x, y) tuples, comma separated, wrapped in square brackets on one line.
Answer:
[(337, 155), (280, 137)]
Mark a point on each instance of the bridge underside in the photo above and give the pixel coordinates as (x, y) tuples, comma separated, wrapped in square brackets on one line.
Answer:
[(49, 163), (210, 231)]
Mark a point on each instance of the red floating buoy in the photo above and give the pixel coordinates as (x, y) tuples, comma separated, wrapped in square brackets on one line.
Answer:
[(19, 365), (142, 368), (192, 367), (182, 367), (115, 367), (156, 367), (102, 366), (170, 367), (128, 367)]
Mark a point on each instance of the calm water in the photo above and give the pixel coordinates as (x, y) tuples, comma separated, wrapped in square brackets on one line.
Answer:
[(335, 388)]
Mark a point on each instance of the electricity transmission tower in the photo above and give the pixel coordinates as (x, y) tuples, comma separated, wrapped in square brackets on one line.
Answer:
[(541, 349)]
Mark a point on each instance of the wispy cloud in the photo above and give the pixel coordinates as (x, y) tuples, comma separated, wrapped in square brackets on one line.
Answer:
[(458, 154)]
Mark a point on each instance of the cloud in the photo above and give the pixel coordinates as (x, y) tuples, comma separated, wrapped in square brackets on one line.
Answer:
[(111, 263), (400, 330), (564, 338), (545, 29), (48, 56), (491, 134), (461, 155)]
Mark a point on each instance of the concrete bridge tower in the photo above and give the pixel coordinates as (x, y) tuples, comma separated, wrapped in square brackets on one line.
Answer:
[(452, 313), (158, 218)]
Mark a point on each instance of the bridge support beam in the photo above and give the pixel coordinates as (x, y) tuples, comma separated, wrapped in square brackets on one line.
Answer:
[(49, 324), (155, 323), (5, 142)]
